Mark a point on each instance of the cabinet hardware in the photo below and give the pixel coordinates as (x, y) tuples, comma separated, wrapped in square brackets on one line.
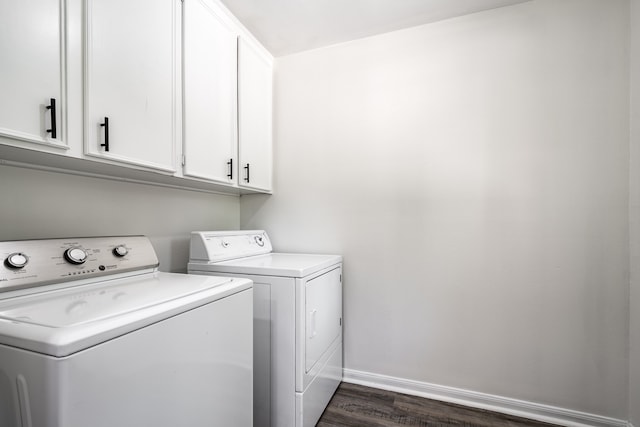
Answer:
[(230, 174), (247, 169), (105, 125), (52, 108)]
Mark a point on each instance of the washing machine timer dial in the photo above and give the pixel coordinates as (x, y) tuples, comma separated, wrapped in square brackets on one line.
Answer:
[(75, 255), (120, 251), (16, 260)]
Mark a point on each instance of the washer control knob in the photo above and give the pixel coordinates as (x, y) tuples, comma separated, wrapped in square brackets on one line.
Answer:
[(259, 240), (75, 255), (17, 260), (120, 251)]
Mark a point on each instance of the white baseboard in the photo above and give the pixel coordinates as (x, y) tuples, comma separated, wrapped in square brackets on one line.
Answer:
[(505, 405)]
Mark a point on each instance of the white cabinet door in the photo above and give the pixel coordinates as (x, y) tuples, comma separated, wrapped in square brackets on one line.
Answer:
[(131, 72), (32, 71), (254, 116), (210, 119)]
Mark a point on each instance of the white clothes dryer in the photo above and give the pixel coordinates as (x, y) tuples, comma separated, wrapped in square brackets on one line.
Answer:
[(91, 334), (297, 321)]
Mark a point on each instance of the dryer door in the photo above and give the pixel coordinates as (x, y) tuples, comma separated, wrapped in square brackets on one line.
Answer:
[(323, 308)]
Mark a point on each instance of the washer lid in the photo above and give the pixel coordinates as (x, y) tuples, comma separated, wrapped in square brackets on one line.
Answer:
[(272, 264), (64, 321)]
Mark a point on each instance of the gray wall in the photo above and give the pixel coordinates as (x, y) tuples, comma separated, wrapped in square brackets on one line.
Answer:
[(37, 204), (474, 174), (634, 216)]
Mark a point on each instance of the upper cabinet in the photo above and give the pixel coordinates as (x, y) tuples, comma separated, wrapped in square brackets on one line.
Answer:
[(171, 92), (131, 81), (32, 78), (227, 100), (210, 117), (255, 82)]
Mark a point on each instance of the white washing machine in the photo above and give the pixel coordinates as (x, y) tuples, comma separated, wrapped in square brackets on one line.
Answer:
[(297, 322), (92, 335)]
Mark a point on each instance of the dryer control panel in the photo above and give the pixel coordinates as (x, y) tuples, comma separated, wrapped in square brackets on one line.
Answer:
[(216, 246), (31, 263)]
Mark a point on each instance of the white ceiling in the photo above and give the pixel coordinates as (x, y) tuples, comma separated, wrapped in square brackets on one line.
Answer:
[(288, 26)]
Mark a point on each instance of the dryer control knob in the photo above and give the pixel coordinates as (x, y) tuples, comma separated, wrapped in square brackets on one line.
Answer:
[(120, 251), (16, 260), (75, 255)]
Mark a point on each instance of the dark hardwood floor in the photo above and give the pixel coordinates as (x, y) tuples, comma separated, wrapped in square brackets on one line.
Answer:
[(358, 406)]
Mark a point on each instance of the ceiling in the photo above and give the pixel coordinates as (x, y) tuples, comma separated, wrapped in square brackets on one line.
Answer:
[(289, 26)]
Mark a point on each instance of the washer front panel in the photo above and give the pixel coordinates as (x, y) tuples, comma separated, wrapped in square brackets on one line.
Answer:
[(191, 369)]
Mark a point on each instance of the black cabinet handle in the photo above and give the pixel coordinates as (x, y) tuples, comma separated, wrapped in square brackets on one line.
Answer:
[(52, 108), (105, 125), (247, 169), (230, 174)]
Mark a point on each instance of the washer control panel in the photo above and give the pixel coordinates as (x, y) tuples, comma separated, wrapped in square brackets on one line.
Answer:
[(30, 263)]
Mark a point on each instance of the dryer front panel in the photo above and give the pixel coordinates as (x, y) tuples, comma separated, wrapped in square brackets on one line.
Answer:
[(323, 315)]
